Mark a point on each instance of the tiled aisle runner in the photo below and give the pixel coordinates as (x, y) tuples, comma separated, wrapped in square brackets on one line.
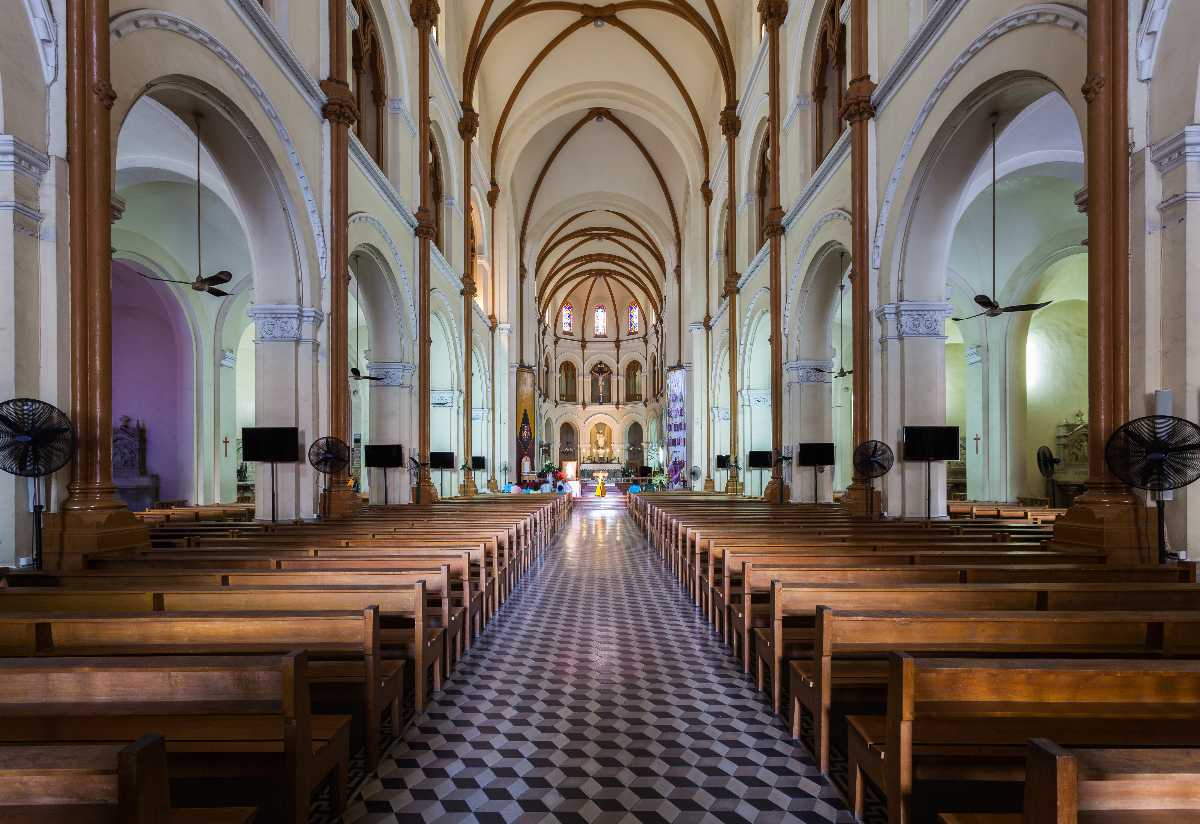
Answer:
[(599, 694)]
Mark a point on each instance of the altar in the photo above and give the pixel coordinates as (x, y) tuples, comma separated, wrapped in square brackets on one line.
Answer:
[(615, 470)]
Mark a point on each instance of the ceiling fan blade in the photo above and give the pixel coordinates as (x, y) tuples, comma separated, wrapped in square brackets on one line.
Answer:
[(217, 279), (970, 317), (372, 378), (165, 280), (986, 302), (1026, 307), (217, 293)]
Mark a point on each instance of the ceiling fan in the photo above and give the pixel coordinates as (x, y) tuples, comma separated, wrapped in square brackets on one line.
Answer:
[(990, 306), (842, 371), (356, 373), (208, 283)]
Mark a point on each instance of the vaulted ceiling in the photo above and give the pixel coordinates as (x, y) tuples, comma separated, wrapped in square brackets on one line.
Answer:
[(600, 122)]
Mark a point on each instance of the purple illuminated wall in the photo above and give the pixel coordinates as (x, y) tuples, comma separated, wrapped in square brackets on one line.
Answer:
[(152, 376)]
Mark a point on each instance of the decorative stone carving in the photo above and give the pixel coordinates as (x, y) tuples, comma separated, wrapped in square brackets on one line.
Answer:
[(974, 355), (755, 397), (444, 398), (396, 374), (731, 124), (808, 371), (914, 319), (720, 413), (285, 323), (228, 359), (19, 158), (1180, 148), (340, 106)]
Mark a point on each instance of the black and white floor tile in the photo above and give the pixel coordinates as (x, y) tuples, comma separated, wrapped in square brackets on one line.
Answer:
[(599, 694)]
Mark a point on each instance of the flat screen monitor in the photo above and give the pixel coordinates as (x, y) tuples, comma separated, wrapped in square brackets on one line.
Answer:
[(931, 443), (478, 463), (814, 454), (441, 460), (270, 444), (759, 459), (383, 456), (722, 462)]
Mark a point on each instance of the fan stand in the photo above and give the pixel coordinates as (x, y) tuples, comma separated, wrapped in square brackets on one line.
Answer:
[(385, 489), (1161, 506), (274, 495), (37, 523), (815, 485), (928, 491)]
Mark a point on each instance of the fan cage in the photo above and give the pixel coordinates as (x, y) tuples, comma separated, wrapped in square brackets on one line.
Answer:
[(36, 438), (873, 459), (1157, 453), (329, 455)]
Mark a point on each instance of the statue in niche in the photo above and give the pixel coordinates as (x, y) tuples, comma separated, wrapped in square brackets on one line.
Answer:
[(602, 443), (136, 487)]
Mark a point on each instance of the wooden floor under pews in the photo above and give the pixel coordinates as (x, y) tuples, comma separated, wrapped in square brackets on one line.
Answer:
[(235, 671)]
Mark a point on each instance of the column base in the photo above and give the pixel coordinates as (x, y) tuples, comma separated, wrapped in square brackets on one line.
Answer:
[(467, 488), (426, 492), (863, 501), (70, 537), (491, 485), (710, 485), (734, 486), (774, 489), (1109, 517), (340, 503)]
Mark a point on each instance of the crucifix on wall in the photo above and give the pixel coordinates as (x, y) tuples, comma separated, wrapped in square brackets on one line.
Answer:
[(977, 440), (226, 442)]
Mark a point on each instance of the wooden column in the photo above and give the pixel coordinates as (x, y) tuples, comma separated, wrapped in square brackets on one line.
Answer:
[(773, 13), (710, 485), (1107, 516), (493, 196), (731, 124), (468, 127), (858, 110), (340, 500), (93, 518), (424, 16)]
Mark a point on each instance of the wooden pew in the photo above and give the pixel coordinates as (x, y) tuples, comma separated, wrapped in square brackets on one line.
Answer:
[(230, 719), (850, 653), (97, 784), (969, 719)]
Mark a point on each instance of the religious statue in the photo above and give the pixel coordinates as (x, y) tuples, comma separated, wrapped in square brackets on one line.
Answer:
[(602, 443)]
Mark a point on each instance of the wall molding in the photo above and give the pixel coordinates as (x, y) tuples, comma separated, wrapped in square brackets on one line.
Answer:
[(914, 319), (45, 32), (273, 43), (138, 20), (285, 323), (919, 45), (808, 371), (405, 304), (1054, 14), (1149, 35), (383, 185), (828, 168), (1179, 149), (392, 374), (19, 158)]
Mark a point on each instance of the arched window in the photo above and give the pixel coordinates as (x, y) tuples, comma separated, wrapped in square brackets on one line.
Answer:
[(370, 84), (762, 190), (601, 327), (437, 193), (567, 314), (829, 82), (633, 381), (635, 318), (601, 383), (566, 382)]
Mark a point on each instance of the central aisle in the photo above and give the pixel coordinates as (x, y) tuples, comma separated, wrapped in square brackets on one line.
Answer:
[(599, 694)]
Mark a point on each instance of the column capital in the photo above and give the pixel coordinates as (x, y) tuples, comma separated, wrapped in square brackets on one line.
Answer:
[(857, 105), (425, 228), (774, 223), (493, 195), (772, 13), (914, 319), (731, 284), (809, 370), (469, 290), (731, 124), (284, 322), (424, 13), (706, 192), (397, 374), (468, 124), (340, 106)]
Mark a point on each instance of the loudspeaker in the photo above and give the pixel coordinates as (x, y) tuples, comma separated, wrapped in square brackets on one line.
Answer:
[(814, 454), (383, 456), (931, 443), (722, 462), (441, 460), (760, 459), (271, 444), (478, 463)]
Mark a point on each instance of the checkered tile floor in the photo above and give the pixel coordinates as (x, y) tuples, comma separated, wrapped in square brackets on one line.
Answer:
[(599, 694)]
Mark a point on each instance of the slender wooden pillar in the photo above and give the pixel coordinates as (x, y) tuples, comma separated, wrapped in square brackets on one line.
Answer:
[(468, 127), (1107, 516), (93, 517), (493, 196), (341, 111), (424, 16), (710, 485), (731, 124), (858, 110), (773, 13)]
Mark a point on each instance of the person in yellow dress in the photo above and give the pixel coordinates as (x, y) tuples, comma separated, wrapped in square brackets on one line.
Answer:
[(600, 491)]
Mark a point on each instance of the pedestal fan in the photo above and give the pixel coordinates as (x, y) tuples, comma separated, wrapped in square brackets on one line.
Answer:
[(872, 459), (1156, 453), (1047, 464), (36, 440), (329, 456)]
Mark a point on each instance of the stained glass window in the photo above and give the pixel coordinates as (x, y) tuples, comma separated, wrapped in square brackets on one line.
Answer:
[(635, 319), (568, 319), (601, 322)]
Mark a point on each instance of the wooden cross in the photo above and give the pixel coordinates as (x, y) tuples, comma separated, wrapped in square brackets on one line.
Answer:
[(226, 442), (977, 439)]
